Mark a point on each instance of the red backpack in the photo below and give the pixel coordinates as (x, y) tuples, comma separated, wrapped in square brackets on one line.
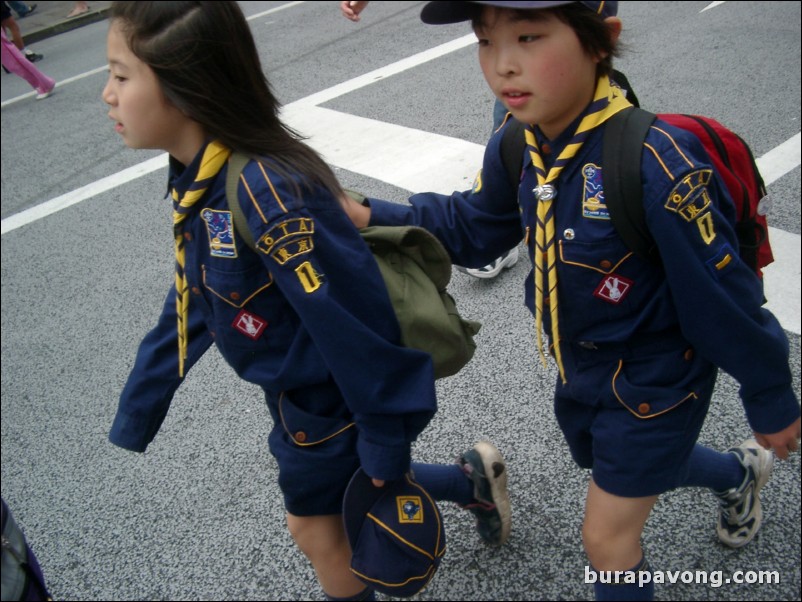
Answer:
[(731, 157), (623, 193)]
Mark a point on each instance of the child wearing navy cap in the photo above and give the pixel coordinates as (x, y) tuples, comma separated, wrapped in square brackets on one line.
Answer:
[(637, 344)]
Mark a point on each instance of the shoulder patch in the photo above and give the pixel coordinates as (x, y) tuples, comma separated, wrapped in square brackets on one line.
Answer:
[(288, 239), (690, 197)]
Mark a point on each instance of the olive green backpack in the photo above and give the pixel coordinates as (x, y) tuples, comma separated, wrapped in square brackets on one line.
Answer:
[(416, 271)]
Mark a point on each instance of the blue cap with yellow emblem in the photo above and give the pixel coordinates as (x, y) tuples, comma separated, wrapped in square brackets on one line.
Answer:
[(438, 13), (396, 534)]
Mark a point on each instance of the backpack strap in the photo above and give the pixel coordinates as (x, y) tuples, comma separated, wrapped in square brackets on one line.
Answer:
[(622, 150), (236, 163), (621, 159)]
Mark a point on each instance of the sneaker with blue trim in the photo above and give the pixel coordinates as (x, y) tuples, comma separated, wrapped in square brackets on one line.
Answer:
[(491, 270), (740, 514), (484, 466)]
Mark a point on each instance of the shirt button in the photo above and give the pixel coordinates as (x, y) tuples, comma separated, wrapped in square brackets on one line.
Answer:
[(195, 290), (187, 235), (688, 354), (545, 148), (606, 264), (300, 436), (234, 296), (644, 408)]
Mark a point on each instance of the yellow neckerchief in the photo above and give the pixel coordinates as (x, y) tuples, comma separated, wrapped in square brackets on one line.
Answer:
[(607, 101), (214, 157)]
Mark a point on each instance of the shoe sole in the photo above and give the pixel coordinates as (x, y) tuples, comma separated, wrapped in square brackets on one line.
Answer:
[(498, 485), (766, 467), (504, 265)]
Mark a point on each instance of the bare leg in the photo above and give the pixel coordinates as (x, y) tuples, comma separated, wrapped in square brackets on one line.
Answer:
[(79, 9), (323, 541), (10, 23), (613, 527)]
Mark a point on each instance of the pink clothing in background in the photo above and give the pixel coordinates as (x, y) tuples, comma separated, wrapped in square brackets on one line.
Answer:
[(15, 61)]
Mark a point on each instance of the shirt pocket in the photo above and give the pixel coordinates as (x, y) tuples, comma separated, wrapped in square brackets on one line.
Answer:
[(308, 423), (651, 386), (248, 309), (236, 288), (595, 278)]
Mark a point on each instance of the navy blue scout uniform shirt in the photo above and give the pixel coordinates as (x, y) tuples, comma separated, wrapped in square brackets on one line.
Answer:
[(307, 318), (702, 292)]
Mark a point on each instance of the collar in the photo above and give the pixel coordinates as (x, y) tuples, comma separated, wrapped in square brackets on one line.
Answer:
[(182, 176)]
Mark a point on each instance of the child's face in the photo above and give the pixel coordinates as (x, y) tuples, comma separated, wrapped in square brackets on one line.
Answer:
[(536, 67), (143, 115)]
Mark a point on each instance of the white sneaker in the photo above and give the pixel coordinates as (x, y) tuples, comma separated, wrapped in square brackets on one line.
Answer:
[(493, 269), (740, 513), (42, 93), (485, 467)]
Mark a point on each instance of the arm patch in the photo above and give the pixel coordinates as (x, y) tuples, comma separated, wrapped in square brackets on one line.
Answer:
[(288, 239), (690, 197)]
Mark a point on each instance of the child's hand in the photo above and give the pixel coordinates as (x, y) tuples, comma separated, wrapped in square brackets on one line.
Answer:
[(783, 442), (352, 8)]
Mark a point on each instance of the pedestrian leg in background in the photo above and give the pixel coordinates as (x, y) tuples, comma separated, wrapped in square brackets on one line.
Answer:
[(10, 23), (16, 63), (22, 9)]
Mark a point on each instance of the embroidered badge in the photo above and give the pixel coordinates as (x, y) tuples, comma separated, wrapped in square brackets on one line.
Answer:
[(288, 239), (410, 509), (613, 288), (593, 205), (221, 233), (309, 278), (723, 261), (706, 228), (249, 324), (690, 197)]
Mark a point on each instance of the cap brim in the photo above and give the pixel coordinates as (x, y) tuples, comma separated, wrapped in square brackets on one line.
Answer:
[(441, 13)]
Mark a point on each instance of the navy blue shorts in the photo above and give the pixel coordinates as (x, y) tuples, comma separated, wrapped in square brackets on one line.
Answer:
[(314, 442), (633, 417)]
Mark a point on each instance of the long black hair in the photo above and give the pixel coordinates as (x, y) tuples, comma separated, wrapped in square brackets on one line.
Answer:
[(205, 58)]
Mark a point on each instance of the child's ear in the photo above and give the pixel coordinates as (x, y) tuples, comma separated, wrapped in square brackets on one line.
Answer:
[(614, 25)]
